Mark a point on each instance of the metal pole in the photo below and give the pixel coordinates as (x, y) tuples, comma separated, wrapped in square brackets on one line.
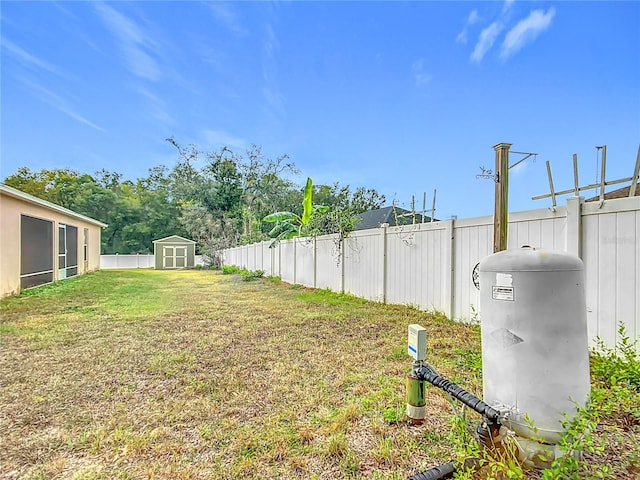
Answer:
[(433, 206), (553, 193), (575, 175), (604, 167), (501, 211), (413, 209), (634, 179)]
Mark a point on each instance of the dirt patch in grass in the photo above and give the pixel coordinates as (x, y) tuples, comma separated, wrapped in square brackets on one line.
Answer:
[(192, 374)]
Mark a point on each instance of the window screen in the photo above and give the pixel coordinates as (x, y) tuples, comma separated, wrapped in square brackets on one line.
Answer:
[(36, 251), (72, 251)]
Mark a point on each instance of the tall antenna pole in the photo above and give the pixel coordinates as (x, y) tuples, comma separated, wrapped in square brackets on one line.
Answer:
[(413, 209), (433, 206), (501, 211)]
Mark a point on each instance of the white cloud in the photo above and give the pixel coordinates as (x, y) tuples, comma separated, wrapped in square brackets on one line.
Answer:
[(507, 5), (526, 31), (133, 41), (158, 107), (80, 118), (226, 15), (29, 60), (485, 42), (421, 76), (58, 102), (471, 19), (273, 97)]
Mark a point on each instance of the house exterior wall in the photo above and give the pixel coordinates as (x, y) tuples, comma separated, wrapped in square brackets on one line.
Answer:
[(11, 209)]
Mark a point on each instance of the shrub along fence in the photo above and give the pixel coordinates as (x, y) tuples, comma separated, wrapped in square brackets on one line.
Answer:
[(430, 266)]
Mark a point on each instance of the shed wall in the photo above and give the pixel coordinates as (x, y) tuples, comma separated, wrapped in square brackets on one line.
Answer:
[(158, 250)]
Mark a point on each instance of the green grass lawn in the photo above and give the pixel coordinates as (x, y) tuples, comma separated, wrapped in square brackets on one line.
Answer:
[(192, 374)]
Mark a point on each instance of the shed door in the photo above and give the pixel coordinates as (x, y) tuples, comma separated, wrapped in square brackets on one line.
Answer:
[(167, 257), (181, 257), (174, 257)]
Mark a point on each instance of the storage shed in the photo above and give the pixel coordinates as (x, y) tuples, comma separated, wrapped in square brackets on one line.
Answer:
[(41, 242), (174, 252)]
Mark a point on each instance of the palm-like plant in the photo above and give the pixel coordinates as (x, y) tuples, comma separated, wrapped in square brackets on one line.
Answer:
[(288, 224)]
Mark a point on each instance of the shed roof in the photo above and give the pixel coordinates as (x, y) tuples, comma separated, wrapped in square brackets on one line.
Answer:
[(375, 218), (174, 238), (15, 193)]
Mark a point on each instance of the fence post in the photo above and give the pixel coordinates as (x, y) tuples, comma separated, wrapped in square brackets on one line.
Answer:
[(384, 261), (295, 261), (272, 253), (574, 226), (342, 255), (448, 268), (315, 261), (280, 259)]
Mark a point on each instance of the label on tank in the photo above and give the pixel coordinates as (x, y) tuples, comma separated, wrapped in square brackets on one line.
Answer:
[(502, 293)]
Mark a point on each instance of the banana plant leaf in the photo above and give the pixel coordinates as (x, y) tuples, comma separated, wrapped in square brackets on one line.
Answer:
[(307, 203), (282, 228), (281, 216)]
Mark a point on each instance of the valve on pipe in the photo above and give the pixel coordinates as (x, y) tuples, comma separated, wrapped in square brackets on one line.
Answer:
[(416, 403), (416, 348)]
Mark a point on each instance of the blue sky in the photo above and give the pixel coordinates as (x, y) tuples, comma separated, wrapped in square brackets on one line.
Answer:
[(404, 97)]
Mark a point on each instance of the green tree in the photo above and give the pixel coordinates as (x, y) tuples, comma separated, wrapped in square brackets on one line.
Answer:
[(345, 208), (136, 213), (265, 188), (72, 190), (236, 191), (213, 233)]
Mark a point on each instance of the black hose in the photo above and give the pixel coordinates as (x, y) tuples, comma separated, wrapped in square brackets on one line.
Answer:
[(435, 473), (459, 393)]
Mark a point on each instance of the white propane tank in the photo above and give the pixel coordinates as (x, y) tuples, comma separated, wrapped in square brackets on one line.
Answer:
[(535, 352)]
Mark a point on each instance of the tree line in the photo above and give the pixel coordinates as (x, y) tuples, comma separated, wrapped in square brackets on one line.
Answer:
[(217, 198)]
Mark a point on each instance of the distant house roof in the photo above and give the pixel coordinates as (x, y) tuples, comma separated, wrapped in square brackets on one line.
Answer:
[(173, 239), (619, 193), (390, 215), (15, 193)]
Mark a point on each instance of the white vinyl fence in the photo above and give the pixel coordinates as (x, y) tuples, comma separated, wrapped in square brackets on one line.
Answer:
[(430, 265), (135, 260)]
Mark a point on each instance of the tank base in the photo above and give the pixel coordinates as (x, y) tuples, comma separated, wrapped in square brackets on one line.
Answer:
[(538, 455)]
